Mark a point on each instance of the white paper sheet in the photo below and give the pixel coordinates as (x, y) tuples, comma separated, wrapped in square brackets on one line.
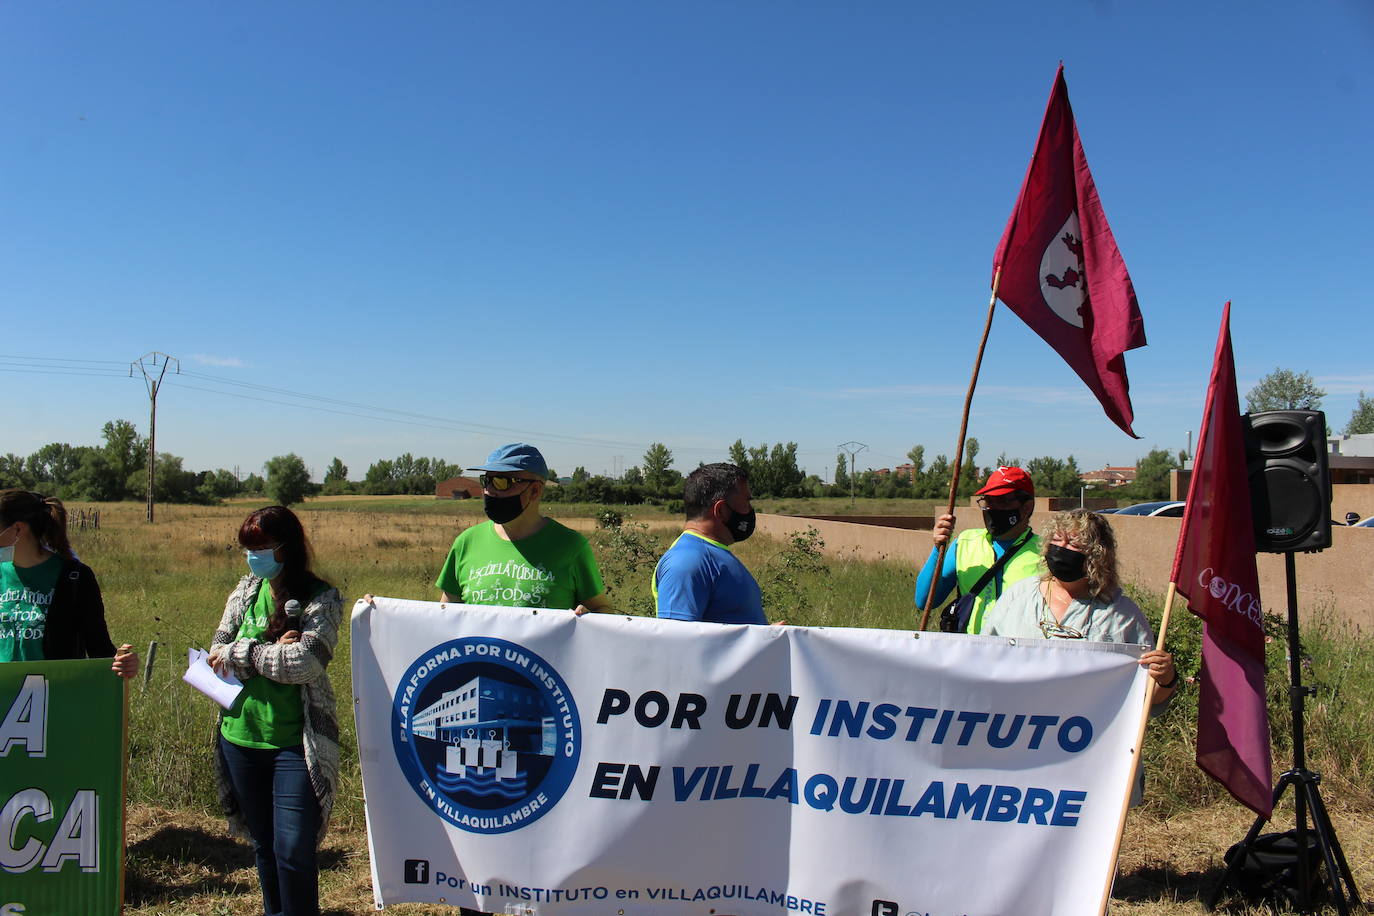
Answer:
[(223, 690)]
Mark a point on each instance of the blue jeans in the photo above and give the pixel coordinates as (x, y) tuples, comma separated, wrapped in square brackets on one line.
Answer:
[(283, 815)]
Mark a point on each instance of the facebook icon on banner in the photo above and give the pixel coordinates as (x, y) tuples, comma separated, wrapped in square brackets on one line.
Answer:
[(884, 908), (417, 871)]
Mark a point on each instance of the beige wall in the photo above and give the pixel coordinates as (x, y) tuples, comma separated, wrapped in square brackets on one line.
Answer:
[(1337, 583), (868, 541), (1351, 497)]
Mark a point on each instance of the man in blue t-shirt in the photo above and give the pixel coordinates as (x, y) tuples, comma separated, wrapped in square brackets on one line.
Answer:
[(699, 578)]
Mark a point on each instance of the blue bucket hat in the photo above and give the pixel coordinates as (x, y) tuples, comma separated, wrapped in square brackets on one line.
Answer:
[(518, 456)]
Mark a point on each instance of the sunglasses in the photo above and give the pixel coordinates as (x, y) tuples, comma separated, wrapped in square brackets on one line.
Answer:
[(1054, 630), (1010, 500), (501, 482)]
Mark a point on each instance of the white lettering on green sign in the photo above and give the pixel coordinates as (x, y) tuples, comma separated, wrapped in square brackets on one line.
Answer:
[(77, 837), (26, 722)]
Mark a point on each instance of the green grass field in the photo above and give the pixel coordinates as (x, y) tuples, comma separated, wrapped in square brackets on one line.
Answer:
[(168, 582)]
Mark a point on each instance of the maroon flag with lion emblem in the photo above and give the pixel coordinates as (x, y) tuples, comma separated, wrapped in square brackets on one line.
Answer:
[(1214, 569), (1061, 270)]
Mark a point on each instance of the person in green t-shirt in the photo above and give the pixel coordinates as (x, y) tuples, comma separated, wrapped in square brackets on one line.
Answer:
[(520, 558), (277, 759), (50, 603)]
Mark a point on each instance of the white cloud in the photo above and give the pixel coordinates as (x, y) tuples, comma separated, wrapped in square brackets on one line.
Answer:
[(225, 362), (1346, 384)]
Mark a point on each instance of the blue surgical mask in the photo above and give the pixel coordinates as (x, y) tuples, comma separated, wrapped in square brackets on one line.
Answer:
[(263, 564)]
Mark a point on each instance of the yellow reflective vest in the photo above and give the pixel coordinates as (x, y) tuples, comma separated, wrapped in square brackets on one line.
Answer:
[(973, 556)]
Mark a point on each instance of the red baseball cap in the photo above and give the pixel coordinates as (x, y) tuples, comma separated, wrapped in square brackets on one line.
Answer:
[(1007, 480)]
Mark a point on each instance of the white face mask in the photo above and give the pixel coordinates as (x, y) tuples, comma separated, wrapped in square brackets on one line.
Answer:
[(7, 553)]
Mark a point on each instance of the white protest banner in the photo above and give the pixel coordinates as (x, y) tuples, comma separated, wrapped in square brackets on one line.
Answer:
[(534, 762)]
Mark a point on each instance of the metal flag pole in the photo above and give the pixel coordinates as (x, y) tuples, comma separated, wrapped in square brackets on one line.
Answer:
[(959, 448)]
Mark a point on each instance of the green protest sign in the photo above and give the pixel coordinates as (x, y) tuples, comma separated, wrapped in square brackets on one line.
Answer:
[(61, 787)]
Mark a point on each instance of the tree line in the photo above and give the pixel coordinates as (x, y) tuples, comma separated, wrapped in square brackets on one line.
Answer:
[(774, 473), (403, 475), (117, 470)]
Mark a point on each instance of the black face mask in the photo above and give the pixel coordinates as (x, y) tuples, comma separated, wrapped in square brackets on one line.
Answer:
[(741, 524), (1000, 521), (1064, 564), (502, 509)]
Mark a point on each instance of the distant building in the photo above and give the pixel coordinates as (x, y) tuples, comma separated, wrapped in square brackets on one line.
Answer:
[(457, 488), (1109, 477), (1351, 458), (905, 470)]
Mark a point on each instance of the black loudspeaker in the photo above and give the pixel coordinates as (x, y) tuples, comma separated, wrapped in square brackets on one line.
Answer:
[(1290, 488)]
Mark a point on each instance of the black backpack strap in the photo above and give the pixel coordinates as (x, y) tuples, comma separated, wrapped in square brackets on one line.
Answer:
[(1010, 552)]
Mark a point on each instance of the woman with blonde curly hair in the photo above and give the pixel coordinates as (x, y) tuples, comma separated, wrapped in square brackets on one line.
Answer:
[(1079, 597)]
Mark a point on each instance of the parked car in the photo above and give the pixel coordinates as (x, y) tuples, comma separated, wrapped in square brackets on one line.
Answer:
[(1163, 508)]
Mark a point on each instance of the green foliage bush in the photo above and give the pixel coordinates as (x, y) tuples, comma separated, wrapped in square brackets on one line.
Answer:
[(791, 575)]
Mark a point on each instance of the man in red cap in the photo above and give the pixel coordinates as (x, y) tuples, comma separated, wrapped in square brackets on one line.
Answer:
[(1007, 500)]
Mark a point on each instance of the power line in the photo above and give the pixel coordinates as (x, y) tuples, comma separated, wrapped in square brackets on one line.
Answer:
[(103, 368), (62, 359), (390, 414), (78, 371)]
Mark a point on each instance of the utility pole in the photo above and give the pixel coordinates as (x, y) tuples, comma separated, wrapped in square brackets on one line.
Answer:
[(154, 381), (852, 448)]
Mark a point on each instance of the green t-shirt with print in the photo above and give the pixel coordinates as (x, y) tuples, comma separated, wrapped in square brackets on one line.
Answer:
[(269, 713), (25, 596), (552, 568)]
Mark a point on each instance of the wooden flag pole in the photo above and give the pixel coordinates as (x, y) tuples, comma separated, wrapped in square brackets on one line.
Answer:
[(959, 448), (1137, 749)]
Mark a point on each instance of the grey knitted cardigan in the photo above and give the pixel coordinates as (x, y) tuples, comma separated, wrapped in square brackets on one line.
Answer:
[(301, 663)]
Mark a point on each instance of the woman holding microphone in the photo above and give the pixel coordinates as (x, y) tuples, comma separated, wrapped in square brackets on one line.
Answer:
[(278, 750)]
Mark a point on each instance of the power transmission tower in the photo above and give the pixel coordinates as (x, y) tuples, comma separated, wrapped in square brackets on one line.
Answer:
[(852, 448), (154, 382)]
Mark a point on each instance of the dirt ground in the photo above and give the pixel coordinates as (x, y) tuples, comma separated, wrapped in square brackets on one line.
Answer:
[(182, 863)]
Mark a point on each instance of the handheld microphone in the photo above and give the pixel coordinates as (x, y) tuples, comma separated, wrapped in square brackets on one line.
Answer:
[(293, 614)]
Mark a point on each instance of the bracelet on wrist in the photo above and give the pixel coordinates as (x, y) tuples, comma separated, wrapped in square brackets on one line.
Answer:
[(1173, 682)]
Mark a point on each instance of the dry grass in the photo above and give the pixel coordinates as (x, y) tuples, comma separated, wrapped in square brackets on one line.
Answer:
[(182, 862)]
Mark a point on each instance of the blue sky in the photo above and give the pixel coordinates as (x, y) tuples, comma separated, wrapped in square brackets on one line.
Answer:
[(599, 225)]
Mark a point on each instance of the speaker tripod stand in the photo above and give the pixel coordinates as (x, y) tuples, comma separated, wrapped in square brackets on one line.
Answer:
[(1307, 799)]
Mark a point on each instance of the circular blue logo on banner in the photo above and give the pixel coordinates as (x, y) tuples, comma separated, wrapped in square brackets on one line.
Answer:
[(486, 733)]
